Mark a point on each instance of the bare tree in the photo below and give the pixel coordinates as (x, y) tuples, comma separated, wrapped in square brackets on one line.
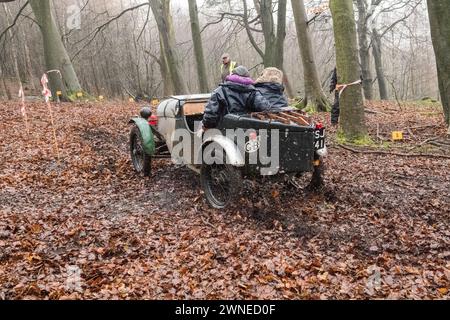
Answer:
[(262, 23), (198, 46), (365, 12), (377, 56), (161, 12), (13, 47), (5, 87), (165, 72), (314, 96), (56, 56)]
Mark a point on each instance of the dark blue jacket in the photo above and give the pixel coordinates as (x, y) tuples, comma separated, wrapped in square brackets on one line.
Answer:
[(233, 98), (274, 94)]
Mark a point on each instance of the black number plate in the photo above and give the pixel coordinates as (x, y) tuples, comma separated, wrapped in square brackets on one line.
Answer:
[(319, 139)]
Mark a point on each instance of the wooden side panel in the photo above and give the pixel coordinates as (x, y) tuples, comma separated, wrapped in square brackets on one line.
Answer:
[(192, 108)]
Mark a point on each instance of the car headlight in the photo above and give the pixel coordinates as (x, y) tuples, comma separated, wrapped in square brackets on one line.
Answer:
[(322, 152)]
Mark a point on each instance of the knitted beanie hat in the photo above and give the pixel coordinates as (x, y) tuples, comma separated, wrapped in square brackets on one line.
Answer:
[(241, 71)]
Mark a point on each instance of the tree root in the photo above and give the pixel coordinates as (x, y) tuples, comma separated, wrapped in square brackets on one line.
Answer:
[(411, 155)]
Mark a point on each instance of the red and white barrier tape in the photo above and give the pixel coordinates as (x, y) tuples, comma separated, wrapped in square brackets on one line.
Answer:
[(46, 92), (23, 109), (341, 87)]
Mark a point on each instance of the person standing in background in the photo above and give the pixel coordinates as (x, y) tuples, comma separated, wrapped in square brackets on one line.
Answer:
[(335, 111), (227, 66)]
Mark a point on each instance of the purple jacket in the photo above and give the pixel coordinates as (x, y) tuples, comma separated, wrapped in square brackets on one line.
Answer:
[(241, 80)]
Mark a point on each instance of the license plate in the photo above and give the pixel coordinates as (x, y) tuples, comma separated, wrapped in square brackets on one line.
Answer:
[(319, 139)]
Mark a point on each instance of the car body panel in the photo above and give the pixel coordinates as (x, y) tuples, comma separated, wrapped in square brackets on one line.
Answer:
[(146, 133), (234, 156), (167, 112), (193, 97)]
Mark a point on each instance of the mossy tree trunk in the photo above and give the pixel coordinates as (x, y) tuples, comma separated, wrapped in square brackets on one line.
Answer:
[(352, 120), (265, 7), (161, 12), (314, 95), (56, 56), (439, 13), (198, 46)]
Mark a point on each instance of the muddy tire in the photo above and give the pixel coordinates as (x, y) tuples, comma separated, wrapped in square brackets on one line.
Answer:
[(141, 161), (317, 181), (221, 182), (308, 181)]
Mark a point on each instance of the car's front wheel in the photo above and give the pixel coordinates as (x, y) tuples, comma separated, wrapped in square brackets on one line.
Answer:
[(141, 161)]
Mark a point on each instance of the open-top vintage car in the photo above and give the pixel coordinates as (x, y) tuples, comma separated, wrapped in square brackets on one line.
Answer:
[(249, 145)]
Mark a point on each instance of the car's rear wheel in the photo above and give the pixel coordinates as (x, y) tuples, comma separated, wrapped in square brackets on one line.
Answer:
[(221, 182), (141, 161), (311, 181), (316, 182)]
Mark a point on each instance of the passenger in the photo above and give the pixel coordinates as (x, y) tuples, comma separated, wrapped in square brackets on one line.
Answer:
[(270, 84), (234, 77), (236, 96)]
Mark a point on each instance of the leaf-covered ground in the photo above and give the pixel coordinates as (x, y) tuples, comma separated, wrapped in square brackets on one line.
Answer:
[(88, 227)]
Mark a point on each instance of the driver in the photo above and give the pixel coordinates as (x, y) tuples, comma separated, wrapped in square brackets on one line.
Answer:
[(235, 96)]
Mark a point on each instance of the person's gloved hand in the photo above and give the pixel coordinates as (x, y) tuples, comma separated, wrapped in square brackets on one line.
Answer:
[(201, 132)]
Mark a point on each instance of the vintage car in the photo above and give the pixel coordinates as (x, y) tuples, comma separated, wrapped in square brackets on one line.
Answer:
[(292, 145)]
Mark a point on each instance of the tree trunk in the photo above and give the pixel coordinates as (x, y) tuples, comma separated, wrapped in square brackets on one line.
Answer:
[(165, 74), (352, 120), (273, 54), (161, 12), (364, 53), (377, 55), (314, 96), (56, 57), (278, 55), (4, 85), (268, 32), (439, 13), (289, 89), (94, 74), (198, 46), (28, 63), (13, 48)]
